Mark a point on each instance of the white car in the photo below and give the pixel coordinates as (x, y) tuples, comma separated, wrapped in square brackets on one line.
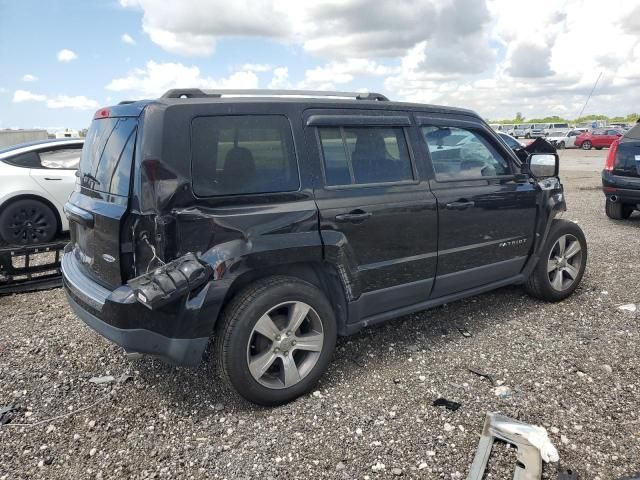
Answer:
[(35, 181), (563, 138)]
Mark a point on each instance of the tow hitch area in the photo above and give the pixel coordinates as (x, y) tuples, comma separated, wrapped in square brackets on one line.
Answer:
[(532, 442), (26, 268), (170, 281)]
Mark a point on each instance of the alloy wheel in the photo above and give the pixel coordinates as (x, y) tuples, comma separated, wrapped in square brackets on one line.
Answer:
[(565, 262), (29, 224), (285, 344)]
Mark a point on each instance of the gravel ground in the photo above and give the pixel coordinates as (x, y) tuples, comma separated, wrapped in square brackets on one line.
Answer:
[(571, 367)]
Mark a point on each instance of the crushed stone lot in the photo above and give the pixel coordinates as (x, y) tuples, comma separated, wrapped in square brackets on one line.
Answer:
[(572, 367)]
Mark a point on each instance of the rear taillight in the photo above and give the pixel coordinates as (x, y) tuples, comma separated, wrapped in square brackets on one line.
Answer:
[(611, 158), (102, 113)]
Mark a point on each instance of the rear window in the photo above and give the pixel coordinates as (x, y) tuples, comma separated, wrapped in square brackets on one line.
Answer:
[(107, 155), (246, 154)]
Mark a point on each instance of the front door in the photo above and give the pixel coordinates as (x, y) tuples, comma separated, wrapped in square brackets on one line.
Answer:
[(485, 217), (376, 210)]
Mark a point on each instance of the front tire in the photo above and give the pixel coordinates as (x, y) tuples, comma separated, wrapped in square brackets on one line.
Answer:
[(275, 340), (28, 222), (618, 210), (561, 264), (586, 145), (561, 146)]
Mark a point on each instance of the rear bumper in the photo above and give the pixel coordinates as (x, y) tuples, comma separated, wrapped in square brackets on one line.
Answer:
[(174, 334), (625, 189)]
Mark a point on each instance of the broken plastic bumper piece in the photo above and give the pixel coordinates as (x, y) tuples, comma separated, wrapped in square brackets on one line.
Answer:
[(170, 281), (532, 442)]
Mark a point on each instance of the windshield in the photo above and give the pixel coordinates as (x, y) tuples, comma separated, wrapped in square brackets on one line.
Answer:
[(105, 165)]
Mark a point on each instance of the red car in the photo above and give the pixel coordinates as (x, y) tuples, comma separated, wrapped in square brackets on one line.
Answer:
[(599, 138)]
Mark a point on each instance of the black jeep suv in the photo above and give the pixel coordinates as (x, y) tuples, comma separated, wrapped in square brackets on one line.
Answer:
[(621, 175), (275, 221)]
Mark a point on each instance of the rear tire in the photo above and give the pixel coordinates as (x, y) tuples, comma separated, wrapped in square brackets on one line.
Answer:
[(561, 264), (259, 345), (28, 222), (618, 210)]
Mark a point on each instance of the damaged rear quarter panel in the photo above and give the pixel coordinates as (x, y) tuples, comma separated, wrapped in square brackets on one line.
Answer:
[(234, 234)]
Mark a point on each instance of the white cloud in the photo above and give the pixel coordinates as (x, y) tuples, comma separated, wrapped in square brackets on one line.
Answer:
[(156, 78), (128, 39), (20, 96), (29, 78), (79, 102), (256, 67), (490, 55), (66, 55), (280, 78)]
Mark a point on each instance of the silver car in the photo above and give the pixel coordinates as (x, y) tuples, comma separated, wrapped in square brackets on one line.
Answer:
[(520, 130)]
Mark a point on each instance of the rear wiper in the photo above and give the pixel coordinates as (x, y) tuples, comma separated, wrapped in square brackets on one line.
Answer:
[(90, 177)]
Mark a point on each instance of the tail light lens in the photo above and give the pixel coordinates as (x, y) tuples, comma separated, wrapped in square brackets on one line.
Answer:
[(611, 158)]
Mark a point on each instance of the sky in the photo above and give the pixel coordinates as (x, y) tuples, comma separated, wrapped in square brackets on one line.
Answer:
[(62, 60)]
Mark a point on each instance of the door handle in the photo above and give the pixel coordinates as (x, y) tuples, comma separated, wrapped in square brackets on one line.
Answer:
[(353, 217), (460, 205), (51, 178)]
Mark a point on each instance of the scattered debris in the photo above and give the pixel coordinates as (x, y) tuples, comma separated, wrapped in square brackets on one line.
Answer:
[(629, 307), (503, 392), (125, 377), (607, 368), (102, 380), (532, 442), (7, 414), (448, 404), (464, 332), (448, 427), (567, 474), (482, 374)]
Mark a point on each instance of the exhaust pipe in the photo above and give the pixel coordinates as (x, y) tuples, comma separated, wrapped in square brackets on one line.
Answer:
[(613, 198)]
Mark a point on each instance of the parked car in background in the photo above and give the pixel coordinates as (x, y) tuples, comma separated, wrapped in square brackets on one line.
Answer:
[(271, 225), (535, 130), (511, 142), (549, 127), (563, 138), (36, 180), (520, 130), (598, 139), (621, 175), (507, 128)]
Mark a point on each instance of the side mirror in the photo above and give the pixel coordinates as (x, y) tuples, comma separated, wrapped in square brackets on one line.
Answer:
[(543, 165)]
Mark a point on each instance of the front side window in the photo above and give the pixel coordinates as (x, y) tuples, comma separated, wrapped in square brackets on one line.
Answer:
[(362, 155), (242, 155), (459, 154), (66, 159)]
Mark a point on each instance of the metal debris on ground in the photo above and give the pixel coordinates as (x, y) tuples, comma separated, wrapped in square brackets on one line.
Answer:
[(7, 414), (482, 374), (448, 404), (464, 332), (628, 307), (102, 380), (532, 442)]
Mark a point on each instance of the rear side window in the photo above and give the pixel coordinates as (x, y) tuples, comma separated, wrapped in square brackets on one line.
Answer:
[(66, 159), (242, 155), (459, 154), (107, 155), (26, 160), (362, 155)]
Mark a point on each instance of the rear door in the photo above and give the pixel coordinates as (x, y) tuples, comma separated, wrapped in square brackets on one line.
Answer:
[(485, 217), (376, 209), (57, 174), (97, 207)]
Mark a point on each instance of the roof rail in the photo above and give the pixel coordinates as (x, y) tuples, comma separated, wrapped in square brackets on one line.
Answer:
[(198, 93)]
